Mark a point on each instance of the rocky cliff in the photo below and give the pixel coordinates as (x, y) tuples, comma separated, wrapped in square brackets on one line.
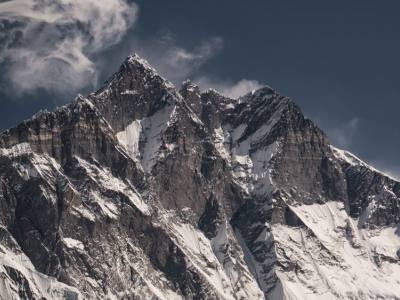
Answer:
[(144, 191)]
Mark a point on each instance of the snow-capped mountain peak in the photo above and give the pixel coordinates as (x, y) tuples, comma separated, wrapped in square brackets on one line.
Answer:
[(142, 191)]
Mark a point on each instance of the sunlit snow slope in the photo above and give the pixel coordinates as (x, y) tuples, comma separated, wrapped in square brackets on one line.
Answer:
[(143, 191)]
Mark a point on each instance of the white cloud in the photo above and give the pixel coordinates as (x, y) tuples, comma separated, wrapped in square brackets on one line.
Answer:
[(177, 63), (55, 45), (50, 44), (229, 88), (342, 136)]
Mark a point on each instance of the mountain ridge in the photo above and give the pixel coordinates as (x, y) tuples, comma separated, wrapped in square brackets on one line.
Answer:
[(141, 190)]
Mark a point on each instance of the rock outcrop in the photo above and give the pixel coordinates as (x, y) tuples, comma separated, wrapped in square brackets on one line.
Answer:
[(143, 191)]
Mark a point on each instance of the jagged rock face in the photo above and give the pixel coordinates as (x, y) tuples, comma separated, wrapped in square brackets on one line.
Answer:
[(139, 191), (373, 198), (134, 92)]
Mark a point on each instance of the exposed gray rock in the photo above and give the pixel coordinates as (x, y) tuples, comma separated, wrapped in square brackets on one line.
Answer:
[(139, 191)]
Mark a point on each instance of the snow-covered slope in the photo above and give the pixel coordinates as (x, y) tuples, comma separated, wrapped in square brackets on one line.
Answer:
[(20, 280), (141, 191), (329, 256)]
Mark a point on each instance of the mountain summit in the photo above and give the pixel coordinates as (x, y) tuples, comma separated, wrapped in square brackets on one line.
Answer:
[(141, 191)]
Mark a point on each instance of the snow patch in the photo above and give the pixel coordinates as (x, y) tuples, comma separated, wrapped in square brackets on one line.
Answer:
[(129, 139), (42, 286), (249, 164), (129, 92), (73, 244), (142, 139), (385, 241), (16, 150), (105, 178), (106, 205), (321, 259), (199, 251)]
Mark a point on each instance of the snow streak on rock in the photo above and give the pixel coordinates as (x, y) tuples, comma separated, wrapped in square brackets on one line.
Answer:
[(141, 191)]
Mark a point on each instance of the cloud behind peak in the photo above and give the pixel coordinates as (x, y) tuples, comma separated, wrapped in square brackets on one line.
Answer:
[(50, 44)]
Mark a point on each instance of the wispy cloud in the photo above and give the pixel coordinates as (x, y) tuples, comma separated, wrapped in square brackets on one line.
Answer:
[(174, 61), (229, 88), (50, 44), (343, 135), (56, 45), (178, 63)]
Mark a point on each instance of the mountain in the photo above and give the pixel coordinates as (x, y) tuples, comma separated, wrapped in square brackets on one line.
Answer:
[(143, 191)]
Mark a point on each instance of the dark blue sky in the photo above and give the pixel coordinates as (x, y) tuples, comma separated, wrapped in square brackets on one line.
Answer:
[(339, 60)]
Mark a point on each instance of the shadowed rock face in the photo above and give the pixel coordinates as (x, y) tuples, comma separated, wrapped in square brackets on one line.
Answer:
[(141, 191)]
